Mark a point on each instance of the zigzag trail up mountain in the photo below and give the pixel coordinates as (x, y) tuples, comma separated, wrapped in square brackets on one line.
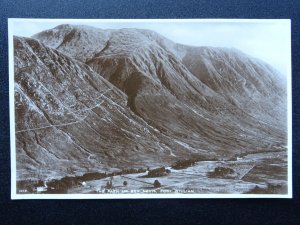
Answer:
[(89, 99)]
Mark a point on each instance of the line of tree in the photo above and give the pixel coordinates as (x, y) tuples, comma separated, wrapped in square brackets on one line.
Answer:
[(183, 164), (62, 185)]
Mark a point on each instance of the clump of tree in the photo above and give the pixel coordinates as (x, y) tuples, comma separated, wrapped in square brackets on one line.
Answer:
[(157, 184), (183, 164), (158, 172), (221, 172), (109, 184), (129, 171), (60, 186), (92, 176)]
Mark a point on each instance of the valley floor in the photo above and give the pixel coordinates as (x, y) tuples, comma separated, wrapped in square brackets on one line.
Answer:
[(262, 173)]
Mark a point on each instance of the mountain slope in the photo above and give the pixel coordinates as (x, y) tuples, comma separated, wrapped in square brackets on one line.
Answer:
[(246, 82), (129, 98), (71, 119)]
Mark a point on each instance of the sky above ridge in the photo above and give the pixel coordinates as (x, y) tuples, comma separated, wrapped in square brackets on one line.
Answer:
[(268, 40)]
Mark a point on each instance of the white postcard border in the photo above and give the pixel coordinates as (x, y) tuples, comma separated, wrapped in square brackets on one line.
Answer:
[(14, 195)]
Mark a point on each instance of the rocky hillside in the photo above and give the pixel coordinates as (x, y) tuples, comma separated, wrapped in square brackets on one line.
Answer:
[(97, 100)]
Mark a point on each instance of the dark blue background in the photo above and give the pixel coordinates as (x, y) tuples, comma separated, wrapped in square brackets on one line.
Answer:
[(190, 211)]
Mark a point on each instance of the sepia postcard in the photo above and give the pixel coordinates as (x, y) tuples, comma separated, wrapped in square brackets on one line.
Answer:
[(150, 108)]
